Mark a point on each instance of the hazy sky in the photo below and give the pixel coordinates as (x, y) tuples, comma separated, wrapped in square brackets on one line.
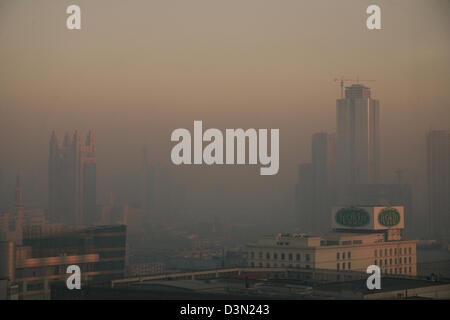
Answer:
[(139, 69)]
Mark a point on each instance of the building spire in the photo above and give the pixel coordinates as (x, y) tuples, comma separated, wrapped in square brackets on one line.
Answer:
[(53, 139), (67, 140), (90, 141)]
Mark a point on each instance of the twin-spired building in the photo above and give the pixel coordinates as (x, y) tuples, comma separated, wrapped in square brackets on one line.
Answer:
[(72, 180), (361, 236)]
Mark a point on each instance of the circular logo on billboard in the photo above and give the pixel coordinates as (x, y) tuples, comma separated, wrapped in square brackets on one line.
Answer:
[(352, 217), (389, 217)]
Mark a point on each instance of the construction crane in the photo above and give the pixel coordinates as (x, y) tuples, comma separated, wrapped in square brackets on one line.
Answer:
[(342, 80)]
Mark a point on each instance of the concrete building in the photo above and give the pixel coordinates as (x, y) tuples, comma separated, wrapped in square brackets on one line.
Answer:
[(438, 161), (72, 180), (361, 236), (358, 137)]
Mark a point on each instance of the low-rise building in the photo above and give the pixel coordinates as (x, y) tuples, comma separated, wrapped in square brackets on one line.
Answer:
[(361, 237)]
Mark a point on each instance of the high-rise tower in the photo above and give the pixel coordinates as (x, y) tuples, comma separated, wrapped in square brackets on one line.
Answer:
[(72, 180), (323, 166), (358, 137), (438, 161)]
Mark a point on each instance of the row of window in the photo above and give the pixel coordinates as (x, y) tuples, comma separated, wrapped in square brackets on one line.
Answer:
[(397, 270), (396, 261), (275, 265), (283, 256), (338, 255), (391, 251), (349, 266)]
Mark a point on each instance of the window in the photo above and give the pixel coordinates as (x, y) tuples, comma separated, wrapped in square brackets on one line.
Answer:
[(405, 270), (375, 252), (260, 255), (252, 255), (337, 267), (290, 257), (282, 256), (298, 257), (337, 255), (385, 262), (410, 270), (375, 262), (381, 262), (404, 260), (307, 257), (385, 252), (343, 266), (268, 255), (349, 265), (410, 250), (395, 260), (390, 251), (395, 251), (390, 261), (343, 255), (381, 253), (275, 256), (349, 255), (409, 259)]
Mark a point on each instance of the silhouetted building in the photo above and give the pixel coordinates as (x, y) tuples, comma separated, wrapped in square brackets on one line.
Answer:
[(72, 180), (358, 137), (323, 165), (438, 156), (157, 192), (315, 190)]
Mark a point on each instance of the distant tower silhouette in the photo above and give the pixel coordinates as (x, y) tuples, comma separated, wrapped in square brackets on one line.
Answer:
[(438, 163), (358, 137), (72, 180), (18, 197)]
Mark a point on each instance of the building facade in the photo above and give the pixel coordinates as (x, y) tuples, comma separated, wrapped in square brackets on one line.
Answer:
[(46, 252), (361, 237)]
